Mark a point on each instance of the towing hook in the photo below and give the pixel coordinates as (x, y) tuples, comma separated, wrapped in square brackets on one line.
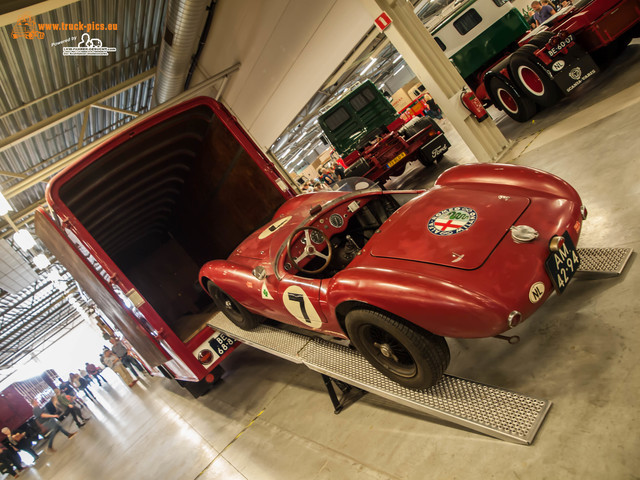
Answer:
[(513, 339)]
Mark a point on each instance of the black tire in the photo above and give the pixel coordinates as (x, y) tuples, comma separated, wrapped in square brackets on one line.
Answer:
[(406, 354), (414, 126), (532, 79), (428, 162), (240, 316), (514, 103)]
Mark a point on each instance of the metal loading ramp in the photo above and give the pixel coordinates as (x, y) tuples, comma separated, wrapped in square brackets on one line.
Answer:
[(490, 410), (606, 262)]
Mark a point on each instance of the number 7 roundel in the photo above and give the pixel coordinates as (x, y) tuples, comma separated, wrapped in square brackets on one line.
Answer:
[(298, 304)]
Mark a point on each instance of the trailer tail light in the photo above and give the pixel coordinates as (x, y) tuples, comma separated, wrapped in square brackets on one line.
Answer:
[(205, 357), (556, 243)]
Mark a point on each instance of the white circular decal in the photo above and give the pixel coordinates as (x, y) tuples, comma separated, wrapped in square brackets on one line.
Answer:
[(557, 66), (536, 292), (299, 305), (274, 227), (452, 220)]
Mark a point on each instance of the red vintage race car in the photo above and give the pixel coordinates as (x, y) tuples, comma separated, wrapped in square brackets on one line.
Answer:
[(397, 271)]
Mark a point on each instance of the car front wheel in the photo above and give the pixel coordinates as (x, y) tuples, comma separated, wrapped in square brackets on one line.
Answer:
[(235, 312), (406, 354)]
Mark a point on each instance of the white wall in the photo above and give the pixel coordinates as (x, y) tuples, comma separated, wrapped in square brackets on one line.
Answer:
[(287, 49)]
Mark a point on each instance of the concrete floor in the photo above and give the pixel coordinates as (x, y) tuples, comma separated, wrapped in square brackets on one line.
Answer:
[(271, 419)]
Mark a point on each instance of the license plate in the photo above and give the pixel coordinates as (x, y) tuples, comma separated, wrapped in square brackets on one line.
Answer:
[(563, 43), (221, 343), (396, 159), (563, 264)]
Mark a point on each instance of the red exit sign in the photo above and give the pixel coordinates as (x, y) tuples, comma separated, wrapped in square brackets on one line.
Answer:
[(383, 21)]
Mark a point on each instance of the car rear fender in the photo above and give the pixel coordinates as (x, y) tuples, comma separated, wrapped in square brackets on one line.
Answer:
[(525, 181), (233, 279), (435, 305)]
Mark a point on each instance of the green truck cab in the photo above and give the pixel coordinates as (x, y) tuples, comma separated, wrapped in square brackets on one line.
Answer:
[(373, 140)]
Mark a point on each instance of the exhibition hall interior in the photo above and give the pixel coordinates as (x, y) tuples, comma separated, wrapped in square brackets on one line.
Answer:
[(319, 239)]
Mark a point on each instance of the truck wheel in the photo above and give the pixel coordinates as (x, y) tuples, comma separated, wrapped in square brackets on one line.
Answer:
[(514, 104), (532, 79), (240, 316), (406, 354), (414, 126)]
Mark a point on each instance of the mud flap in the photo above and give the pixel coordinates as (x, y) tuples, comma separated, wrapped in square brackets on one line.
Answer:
[(435, 149), (575, 73)]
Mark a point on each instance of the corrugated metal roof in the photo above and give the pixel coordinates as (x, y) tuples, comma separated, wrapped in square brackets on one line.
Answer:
[(38, 83)]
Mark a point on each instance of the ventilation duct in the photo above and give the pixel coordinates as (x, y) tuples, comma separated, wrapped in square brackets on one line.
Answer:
[(182, 29)]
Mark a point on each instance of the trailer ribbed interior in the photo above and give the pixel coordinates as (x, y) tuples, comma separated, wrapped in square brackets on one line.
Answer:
[(169, 199)]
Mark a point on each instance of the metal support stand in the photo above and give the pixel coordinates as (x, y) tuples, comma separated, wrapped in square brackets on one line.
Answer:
[(350, 394)]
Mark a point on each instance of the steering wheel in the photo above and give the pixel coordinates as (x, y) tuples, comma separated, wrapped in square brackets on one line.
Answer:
[(309, 249)]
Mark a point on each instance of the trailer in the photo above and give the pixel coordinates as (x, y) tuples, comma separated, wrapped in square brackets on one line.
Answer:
[(522, 71), (135, 218)]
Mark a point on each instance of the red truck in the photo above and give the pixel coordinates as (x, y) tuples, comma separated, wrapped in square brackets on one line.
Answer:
[(521, 71), (136, 218)]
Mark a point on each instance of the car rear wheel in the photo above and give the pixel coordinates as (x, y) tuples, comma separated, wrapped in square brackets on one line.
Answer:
[(406, 354), (235, 312)]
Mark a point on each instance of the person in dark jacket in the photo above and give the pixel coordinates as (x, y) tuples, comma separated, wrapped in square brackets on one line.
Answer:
[(50, 422), (18, 441)]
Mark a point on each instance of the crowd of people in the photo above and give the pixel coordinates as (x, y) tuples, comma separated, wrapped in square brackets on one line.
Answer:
[(66, 400), (328, 175)]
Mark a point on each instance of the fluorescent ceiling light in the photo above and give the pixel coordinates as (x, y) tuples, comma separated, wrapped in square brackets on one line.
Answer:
[(5, 206), (24, 239), (373, 60), (398, 71), (397, 59), (41, 261)]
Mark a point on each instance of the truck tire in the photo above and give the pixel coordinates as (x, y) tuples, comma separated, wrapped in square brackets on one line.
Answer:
[(532, 79), (514, 103), (406, 354), (414, 126)]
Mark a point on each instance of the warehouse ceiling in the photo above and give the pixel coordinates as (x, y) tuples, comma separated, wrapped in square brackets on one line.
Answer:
[(52, 105)]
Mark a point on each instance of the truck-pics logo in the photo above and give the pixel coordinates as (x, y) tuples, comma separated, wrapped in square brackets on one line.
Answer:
[(89, 47), (26, 27)]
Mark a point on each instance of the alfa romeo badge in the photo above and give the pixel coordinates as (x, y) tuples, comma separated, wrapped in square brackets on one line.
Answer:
[(452, 220)]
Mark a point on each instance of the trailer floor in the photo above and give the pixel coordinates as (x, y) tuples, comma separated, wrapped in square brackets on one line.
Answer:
[(272, 419)]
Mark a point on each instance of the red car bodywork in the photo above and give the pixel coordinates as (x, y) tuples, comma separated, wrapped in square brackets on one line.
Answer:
[(462, 285)]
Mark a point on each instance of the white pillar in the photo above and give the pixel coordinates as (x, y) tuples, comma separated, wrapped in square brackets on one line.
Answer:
[(421, 52)]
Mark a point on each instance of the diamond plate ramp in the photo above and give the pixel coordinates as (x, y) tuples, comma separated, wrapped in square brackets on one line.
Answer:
[(603, 261), (271, 340), (493, 411)]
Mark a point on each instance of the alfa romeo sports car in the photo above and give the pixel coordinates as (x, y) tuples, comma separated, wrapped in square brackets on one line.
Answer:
[(398, 271)]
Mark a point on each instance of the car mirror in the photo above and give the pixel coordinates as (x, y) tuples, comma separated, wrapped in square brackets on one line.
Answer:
[(259, 272)]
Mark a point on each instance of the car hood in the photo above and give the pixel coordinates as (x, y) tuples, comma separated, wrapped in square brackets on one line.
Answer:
[(448, 226)]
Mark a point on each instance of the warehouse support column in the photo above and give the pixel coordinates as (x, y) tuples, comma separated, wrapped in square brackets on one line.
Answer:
[(438, 75)]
